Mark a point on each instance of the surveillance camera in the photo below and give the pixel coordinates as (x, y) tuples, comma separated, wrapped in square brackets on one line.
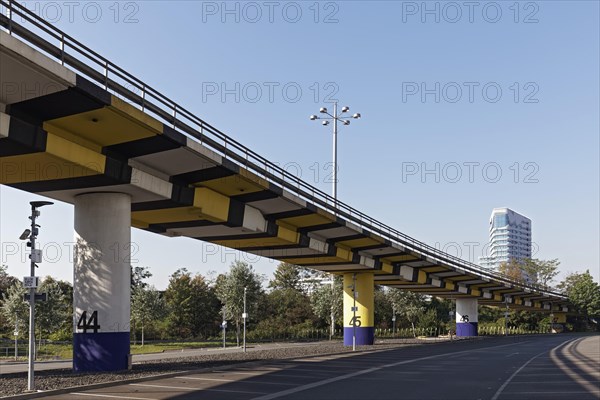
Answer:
[(25, 234)]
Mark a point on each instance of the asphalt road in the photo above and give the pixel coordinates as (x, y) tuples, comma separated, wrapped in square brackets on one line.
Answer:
[(536, 367)]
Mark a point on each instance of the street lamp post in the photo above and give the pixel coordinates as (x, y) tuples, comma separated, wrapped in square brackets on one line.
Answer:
[(31, 283), (335, 117), (394, 321), (506, 316), (224, 326), (244, 317), (16, 336)]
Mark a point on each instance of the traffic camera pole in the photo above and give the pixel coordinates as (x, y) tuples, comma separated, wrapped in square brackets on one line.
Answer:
[(35, 257)]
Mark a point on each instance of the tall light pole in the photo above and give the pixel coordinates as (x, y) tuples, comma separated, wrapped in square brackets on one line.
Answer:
[(224, 326), (506, 316), (31, 282), (16, 336), (335, 117), (394, 321), (244, 317), (344, 119)]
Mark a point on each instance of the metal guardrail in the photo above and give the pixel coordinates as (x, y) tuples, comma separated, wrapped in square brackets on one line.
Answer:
[(68, 51)]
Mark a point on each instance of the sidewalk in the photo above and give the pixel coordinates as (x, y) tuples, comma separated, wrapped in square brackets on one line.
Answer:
[(8, 367)]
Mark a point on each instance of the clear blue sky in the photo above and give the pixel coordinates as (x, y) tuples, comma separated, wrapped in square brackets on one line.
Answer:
[(541, 133)]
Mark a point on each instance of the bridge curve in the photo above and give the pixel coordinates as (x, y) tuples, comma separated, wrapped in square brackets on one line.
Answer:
[(88, 126)]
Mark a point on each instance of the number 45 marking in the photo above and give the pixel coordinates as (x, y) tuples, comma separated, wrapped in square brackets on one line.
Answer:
[(91, 323)]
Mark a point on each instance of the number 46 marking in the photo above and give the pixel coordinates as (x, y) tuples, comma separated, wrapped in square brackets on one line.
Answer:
[(355, 321), (91, 323)]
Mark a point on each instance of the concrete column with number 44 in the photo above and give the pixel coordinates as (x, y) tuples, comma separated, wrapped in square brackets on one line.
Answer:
[(359, 292), (101, 282)]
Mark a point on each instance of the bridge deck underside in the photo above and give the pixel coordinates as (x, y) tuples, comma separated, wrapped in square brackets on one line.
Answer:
[(78, 138)]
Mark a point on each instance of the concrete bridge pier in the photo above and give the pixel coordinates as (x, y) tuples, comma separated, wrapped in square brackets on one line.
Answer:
[(559, 322), (101, 282), (466, 317), (359, 308)]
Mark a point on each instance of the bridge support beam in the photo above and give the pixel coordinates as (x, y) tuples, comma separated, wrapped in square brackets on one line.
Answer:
[(101, 283), (466, 317), (559, 322), (359, 290)]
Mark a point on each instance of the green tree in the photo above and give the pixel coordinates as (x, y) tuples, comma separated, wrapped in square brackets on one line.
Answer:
[(428, 320), (408, 305), (290, 306), (6, 281), (147, 306), (290, 276), (541, 272), (52, 314), (179, 300), (138, 276), (205, 307), (583, 293), (531, 271), (286, 276), (323, 299), (230, 291), (513, 270), (14, 309)]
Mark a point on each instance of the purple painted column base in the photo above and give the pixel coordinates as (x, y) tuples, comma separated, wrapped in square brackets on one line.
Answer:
[(365, 336), (100, 351), (466, 329)]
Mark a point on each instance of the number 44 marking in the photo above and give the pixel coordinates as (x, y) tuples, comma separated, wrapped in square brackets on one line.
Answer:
[(91, 323)]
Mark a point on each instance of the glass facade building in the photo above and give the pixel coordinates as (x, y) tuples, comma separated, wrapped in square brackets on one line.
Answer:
[(510, 238)]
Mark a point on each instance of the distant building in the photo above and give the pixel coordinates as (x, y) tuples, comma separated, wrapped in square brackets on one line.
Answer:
[(510, 238)]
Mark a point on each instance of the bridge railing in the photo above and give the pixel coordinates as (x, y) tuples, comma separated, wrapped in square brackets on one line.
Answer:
[(85, 61)]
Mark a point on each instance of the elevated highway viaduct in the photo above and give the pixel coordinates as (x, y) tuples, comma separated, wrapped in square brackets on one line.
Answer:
[(71, 130)]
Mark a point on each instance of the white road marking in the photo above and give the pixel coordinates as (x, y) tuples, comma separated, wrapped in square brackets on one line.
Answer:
[(205, 379), (195, 389), (548, 393), (510, 378), (259, 373), (365, 371), (284, 374), (108, 396), (234, 380)]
